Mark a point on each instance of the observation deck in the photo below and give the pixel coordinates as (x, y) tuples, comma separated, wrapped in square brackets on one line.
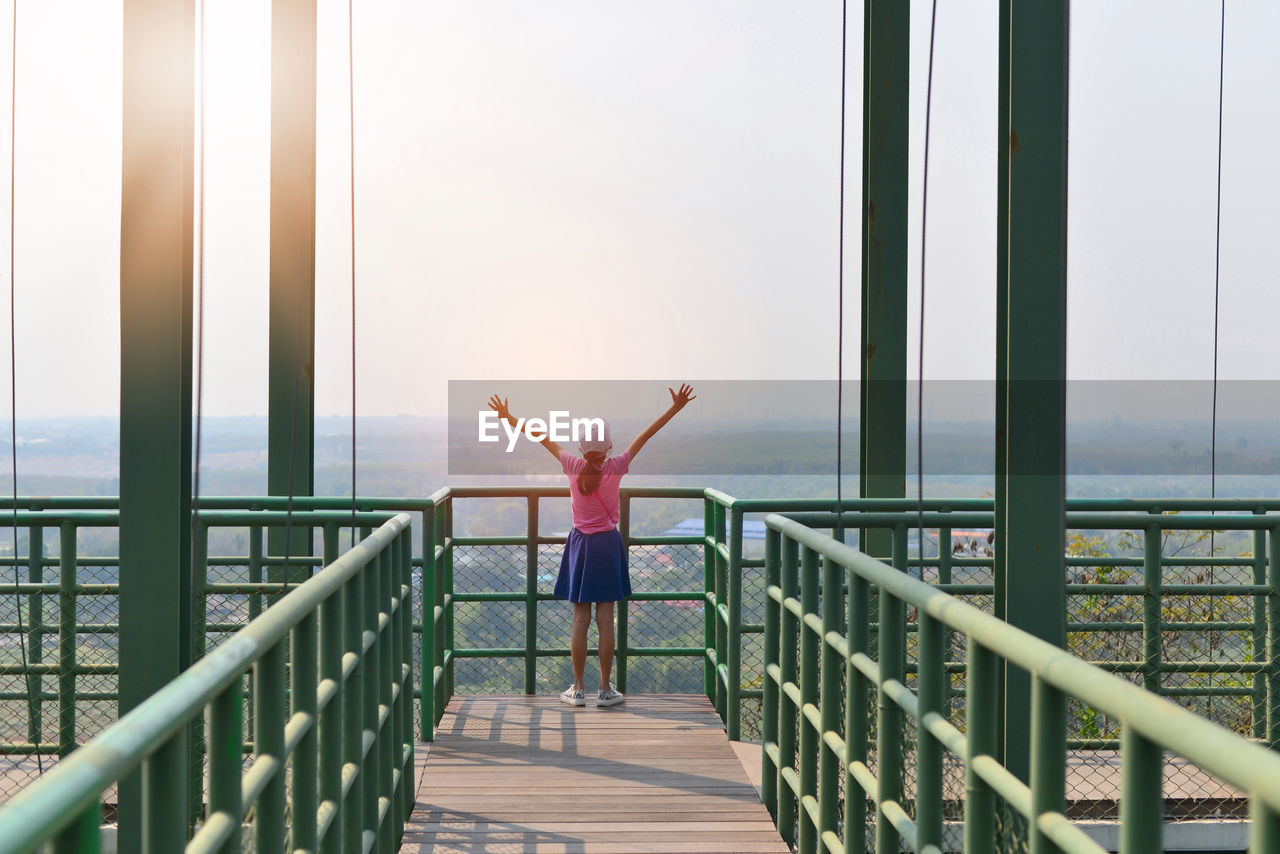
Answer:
[(324, 687)]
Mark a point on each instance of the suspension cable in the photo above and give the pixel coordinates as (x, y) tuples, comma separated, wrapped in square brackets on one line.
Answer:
[(844, 51), (924, 223), (351, 113), (1217, 261), (1217, 275), (13, 382)]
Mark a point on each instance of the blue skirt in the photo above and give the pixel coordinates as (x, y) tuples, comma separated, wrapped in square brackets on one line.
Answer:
[(594, 568)]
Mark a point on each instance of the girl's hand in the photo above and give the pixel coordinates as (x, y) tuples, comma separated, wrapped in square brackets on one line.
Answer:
[(499, 405), (680, 399)]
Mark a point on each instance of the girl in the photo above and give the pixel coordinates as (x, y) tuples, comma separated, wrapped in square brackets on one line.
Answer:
[(594, 568)]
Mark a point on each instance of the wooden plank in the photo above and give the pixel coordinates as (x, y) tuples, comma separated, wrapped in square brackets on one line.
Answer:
[(532, 774)]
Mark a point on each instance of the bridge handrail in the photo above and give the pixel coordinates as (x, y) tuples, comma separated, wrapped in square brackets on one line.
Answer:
[(63, 805), (792, 697)]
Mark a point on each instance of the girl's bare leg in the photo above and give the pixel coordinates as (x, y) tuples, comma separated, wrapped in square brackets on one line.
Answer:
[(578, 642), (604, 624)]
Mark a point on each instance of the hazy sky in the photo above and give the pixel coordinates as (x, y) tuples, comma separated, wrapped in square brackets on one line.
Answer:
[(647, 189)]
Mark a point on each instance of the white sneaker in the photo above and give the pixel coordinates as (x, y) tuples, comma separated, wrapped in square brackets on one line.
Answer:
[(609, 697), (573, 696)]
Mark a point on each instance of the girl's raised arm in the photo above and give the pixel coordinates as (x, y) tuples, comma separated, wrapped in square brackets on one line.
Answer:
[(679, 399), (499, 405)]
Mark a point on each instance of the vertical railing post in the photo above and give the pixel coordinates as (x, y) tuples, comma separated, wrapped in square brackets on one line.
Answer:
[(164, 798), (788, 712), (1141, 794), (427, 707), (226, 755), (1259, 638), (893, 630), (199, 619), (829, 766), (386, 744), (622, 640), (303, 678), (451, 668), (931, 682), (330, 545), (353, 719), (531, 597), (370, 684), (1273, 642), (82, 836), (1151, 580), (733, 723), (405, 661), (981, 732), (1049, 759), (332, 645), (722, 624), (67, 584), (944, 577), (269, 709), (35, 633), (809, 737), (709, 661), (255, 570), (1264, 828), (856, 723), (769, 704)]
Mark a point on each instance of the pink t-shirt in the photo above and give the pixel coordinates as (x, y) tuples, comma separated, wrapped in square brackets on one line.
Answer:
[(598, 511)]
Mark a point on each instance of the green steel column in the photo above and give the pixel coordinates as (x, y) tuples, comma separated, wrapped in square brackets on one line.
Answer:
[(155, 360), (291, 385), (1034, 292), (885, 141)]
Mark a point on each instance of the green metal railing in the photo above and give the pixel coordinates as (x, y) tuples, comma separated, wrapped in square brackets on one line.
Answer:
[(441, 647), (332, 738), (1244, 677), (819, 705)]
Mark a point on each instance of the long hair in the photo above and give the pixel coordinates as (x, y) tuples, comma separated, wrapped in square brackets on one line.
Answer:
[(589, 480)]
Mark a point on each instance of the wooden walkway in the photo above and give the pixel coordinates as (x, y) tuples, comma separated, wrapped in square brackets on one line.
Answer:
[(530, 774)]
